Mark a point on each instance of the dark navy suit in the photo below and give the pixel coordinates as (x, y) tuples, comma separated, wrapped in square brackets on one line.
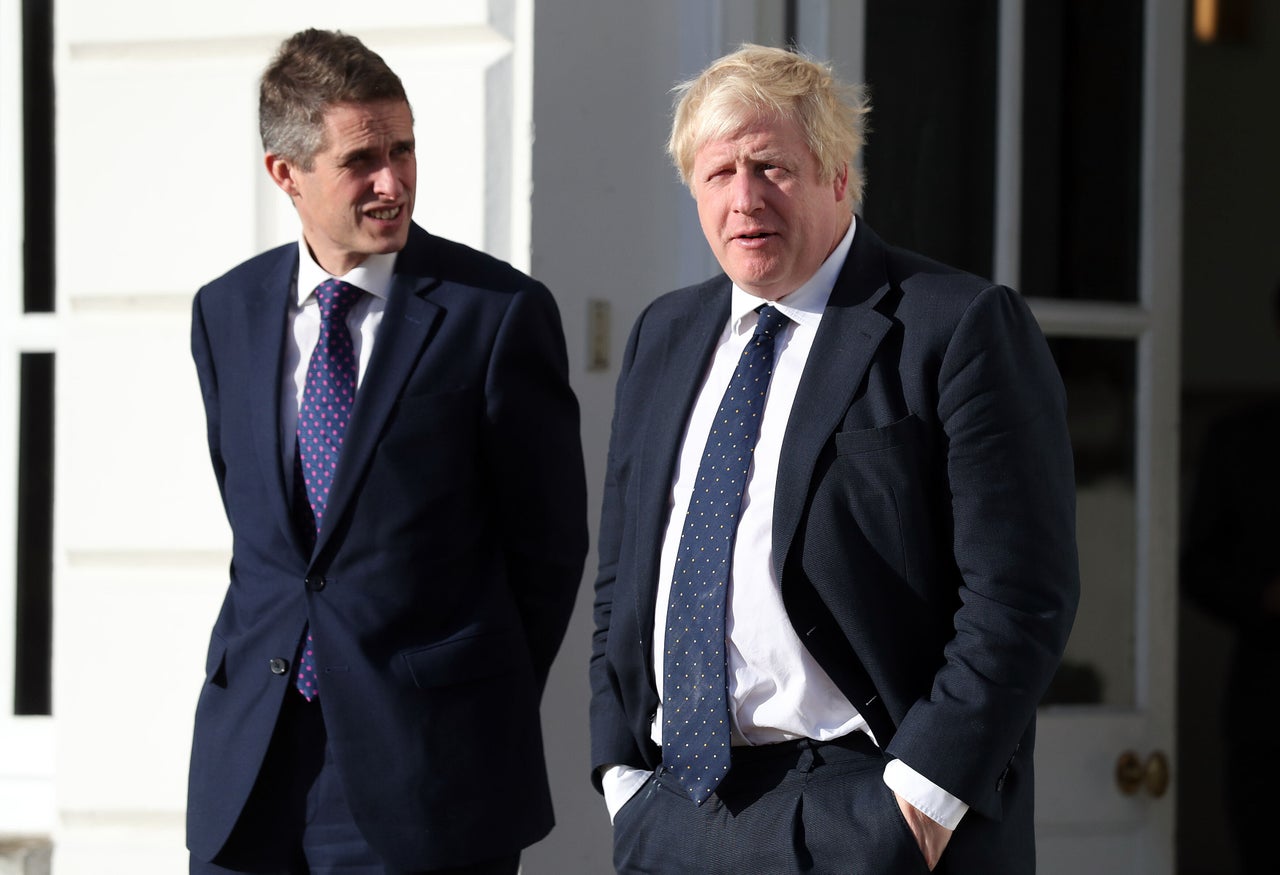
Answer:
[(440, 588), (923, 526)]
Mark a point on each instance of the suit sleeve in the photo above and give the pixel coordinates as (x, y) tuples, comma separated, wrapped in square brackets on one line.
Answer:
[(1009, 468), (535, 450), (208, 377), (611, 738)]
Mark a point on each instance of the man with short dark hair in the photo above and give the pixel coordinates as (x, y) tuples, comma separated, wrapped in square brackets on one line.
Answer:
[(837, 550), (396, 444)]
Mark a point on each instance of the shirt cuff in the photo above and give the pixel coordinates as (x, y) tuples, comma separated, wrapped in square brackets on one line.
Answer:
[(620, 783), (932, 801)]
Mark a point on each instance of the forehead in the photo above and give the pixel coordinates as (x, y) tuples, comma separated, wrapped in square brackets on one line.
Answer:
[(359, 125), (758, 136)]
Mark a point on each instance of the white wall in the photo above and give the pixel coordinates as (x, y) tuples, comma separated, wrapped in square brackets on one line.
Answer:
[(612, 222), (604, 201)]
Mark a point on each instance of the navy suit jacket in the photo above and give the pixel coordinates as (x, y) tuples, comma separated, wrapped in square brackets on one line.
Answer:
[(923, 527), (441, 586)]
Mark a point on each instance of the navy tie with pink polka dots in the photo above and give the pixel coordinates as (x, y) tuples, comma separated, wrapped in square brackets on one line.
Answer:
[(327, 397), (695, 721)]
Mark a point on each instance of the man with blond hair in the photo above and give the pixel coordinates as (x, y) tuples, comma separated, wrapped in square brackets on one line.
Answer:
[(396, 444), (837, 549)]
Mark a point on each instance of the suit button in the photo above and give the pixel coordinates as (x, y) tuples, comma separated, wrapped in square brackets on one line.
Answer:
[(279, 666), (315, 582)]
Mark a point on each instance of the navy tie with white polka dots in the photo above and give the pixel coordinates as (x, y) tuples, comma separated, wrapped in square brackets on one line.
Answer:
[(327, 397), (695, 727)]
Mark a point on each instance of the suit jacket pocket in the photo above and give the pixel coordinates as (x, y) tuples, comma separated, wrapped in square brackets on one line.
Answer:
[(906, 430), (881, 479), (462, 660), (428, 453), (215, 662), (438, 410)]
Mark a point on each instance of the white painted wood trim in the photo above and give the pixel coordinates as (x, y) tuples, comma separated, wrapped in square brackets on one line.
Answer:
[(1007, 257)]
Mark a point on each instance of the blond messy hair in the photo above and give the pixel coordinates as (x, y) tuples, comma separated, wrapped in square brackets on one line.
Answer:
[(761, 82)]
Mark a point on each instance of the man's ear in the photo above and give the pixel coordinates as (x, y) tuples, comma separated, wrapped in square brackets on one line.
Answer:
[(282, 170), (841, 183)]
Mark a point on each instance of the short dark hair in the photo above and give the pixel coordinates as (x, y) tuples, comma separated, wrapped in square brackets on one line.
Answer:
[(313, 70)]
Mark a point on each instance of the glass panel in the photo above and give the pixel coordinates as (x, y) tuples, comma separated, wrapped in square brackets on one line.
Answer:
[(1099, 666), (930, 158), (1081, 149), (33, 628), (37, 156)]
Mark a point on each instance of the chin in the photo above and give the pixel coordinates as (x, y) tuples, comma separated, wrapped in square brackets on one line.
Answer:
[(391, 244), (755, 283)]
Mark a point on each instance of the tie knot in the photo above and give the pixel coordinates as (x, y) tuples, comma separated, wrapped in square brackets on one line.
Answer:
[(772, 320), (336, 298)]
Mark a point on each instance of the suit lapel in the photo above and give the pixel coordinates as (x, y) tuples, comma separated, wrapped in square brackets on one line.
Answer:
[(266, 321), (847, 338), (690, 339), (406, 325)]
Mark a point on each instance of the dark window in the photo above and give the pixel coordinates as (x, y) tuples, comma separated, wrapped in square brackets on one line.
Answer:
[(1100, 376), (1081, 149), (33, 608), (37, 156), (34, 614), (930, 157)]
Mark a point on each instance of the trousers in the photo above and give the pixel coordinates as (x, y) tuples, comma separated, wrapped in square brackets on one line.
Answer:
[(796, 807)]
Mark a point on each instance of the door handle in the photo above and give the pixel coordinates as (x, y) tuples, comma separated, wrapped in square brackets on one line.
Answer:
[(1132, 774)]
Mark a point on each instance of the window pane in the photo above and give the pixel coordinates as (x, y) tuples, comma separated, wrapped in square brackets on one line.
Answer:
[(1099, 666), (1081, 149), (930, 158), (37, 156), (34, 610)]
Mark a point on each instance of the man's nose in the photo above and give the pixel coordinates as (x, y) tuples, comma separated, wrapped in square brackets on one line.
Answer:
[(746, 193), (386, 183)]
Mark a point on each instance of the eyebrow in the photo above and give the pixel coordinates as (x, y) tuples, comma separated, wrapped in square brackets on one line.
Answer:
[(770, 156), (764, 156), (370, 151), (354, 155)]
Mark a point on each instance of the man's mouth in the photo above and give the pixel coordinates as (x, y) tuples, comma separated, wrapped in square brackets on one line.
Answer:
[(387, 214)]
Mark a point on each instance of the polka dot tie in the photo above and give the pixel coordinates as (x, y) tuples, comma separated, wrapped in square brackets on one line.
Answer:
[(695, 728), (327, 397)]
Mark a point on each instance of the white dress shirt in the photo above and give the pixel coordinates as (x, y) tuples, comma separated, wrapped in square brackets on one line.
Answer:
[(777, 690), (373, 275)]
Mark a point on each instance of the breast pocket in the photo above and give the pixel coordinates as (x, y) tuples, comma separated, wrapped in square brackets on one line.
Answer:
[(431, 446), (884, 479), (868, 440), (437, 411)]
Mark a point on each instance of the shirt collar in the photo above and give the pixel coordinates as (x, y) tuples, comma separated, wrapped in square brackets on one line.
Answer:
[(373, 275), (805, 304)]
